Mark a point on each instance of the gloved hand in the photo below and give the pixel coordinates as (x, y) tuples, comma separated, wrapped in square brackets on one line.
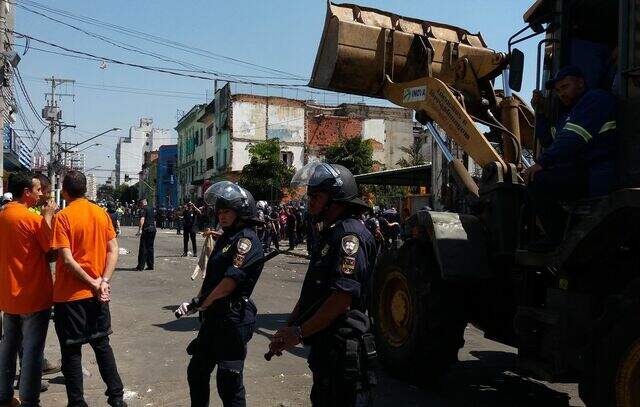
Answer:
[(184, 310)]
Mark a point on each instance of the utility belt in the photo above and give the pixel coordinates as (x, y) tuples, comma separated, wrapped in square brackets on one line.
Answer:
[(234, 308)]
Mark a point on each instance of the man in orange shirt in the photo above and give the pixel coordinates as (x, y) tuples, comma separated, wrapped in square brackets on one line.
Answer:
[(87, 254), (25, 288)]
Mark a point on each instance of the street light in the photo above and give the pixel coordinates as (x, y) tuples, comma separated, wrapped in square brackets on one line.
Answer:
[(96, 136), (93, 168), (86, 148)]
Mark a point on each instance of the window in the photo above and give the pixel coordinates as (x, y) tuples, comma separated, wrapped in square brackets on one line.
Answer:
[(210, 131), (201, 166), (209, 163), (286, 157)]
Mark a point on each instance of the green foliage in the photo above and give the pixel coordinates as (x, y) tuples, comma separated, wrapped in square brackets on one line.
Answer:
[(266, 176), (413, 155), (105, 192), (355, 154), (126, 193)]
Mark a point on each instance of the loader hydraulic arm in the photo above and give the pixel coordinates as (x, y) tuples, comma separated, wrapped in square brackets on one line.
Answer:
[(434, 98)]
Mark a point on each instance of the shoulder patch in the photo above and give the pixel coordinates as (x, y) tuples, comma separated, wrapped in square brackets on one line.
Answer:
[(244, 245), (350, 244)]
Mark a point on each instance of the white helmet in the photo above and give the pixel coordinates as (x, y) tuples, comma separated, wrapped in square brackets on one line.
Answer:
[(7, 197)]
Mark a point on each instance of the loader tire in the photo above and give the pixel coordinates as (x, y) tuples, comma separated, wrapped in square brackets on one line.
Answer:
[(615, 380), (419, 318)]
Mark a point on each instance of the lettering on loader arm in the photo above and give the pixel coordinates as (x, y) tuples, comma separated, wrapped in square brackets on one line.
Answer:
[(415, 94)]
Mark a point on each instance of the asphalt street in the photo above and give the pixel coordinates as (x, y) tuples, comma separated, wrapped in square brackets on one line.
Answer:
[(149, 345)]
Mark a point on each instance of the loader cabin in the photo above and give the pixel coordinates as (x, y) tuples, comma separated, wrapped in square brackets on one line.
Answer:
[(602, 38)]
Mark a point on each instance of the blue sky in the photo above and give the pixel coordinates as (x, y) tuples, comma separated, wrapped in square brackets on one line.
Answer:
[(279, 34)]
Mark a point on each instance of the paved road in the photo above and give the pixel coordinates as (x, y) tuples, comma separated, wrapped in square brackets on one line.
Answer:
[(149, 345)]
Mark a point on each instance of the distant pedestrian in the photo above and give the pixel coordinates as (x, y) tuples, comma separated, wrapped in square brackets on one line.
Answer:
[(147, 233), (88, 251), (291, 227), (282, 217), (189, 227), (177, 219), (113, 215)]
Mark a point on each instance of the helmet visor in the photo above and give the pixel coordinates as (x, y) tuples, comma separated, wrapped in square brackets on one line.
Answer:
[(226, 190), (313, 174)]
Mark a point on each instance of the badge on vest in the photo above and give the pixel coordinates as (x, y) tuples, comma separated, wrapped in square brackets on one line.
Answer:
[(324, 251), (238, 260), (348, 265), (244, 245), (224, 249), (350, 245)]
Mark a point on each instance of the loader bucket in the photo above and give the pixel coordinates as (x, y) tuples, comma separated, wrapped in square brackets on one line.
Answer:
[(360, 46)]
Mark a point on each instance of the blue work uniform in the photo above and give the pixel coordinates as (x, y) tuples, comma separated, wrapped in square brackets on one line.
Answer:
[(586, 138), (228, 323), (342, 261)]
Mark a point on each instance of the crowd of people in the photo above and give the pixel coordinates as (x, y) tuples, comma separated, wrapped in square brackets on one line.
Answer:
[(81, 240)]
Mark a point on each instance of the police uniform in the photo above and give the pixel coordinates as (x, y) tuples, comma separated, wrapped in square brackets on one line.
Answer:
[(228, 323), (343, 261)]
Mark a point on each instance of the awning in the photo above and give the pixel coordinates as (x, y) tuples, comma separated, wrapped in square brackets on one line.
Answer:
[(418, 176)]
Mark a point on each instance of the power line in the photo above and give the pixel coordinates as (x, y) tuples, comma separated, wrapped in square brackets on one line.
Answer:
[(157, 40), (148, 68), (132, 48)]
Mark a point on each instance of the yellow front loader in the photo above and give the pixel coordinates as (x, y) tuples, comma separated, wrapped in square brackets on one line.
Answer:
[(573, 314)]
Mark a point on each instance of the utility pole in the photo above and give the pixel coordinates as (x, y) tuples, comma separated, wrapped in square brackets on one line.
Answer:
[(6, 22), (53, 114)]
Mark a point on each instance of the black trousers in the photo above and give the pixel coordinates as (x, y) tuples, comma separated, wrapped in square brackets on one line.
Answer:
[(219, 343), (189, 234), (291, 233), (72, 371), (145, 250), (549, 188), (329, 388)]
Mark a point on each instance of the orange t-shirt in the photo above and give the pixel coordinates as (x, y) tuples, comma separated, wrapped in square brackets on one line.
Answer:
[(85, 229), (25, 278)]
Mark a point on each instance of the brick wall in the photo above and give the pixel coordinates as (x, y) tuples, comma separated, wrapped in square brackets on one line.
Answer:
[(325, 130)]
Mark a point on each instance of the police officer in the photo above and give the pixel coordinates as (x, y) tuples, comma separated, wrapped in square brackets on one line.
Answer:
[(335, 292), (228, 315), (580, 149)]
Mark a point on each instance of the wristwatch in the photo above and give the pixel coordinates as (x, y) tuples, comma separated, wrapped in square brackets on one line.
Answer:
[(106, 280), (299, 333)]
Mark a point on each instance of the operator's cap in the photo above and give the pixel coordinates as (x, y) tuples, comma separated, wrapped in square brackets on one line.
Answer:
[(570, 70)]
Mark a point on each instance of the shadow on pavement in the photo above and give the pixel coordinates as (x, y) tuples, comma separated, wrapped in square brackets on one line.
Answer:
[(271, 322), (184, 324), (486, 382)]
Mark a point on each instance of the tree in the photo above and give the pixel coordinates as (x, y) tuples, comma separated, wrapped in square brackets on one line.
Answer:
[(413, 154), (266, 176), (355, 154), (105, 193), (126, 193)]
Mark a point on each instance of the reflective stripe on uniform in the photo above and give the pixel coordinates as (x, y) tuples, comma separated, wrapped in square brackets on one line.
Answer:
[(579, 130), (608, 126)]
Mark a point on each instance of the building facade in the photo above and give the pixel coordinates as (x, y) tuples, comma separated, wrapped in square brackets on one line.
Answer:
[(148, 177), (167, 185), (191, 153), (214, 139), (130, 150), (92, 187)]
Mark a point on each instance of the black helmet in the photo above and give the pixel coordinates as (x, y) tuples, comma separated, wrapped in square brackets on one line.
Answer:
[(332, 178), (227, 195)]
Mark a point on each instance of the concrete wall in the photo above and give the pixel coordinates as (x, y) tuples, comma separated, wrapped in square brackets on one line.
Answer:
[(257, 118)]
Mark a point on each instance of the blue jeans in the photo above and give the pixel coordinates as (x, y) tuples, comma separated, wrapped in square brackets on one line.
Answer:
[(28, 331)]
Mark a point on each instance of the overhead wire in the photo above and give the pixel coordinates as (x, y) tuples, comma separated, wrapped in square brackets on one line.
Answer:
[(156, 39), (139, 50)]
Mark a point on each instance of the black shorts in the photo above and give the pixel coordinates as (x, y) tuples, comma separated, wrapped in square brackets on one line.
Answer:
[(81, 321)]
